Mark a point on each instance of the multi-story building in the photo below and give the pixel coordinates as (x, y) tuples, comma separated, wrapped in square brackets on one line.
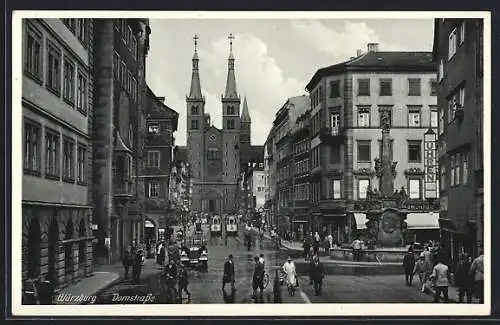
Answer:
[(347, 100), (121, 46), (161, 122), (283, 159), (215, 156), (269, 179), (57, 108), (458, 52), (302, 223)]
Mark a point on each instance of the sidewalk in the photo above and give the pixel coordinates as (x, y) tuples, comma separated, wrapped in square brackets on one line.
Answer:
[(104, 277)]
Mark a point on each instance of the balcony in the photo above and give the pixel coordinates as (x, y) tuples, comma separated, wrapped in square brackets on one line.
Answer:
[(332, 135), (124, 190), (333, 204)]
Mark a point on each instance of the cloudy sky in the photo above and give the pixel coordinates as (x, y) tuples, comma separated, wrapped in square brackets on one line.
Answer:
[(275, 59)]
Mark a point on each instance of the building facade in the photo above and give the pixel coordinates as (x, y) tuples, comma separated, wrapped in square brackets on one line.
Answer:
[(121, 46), (458, 53), (161, 123), (347, 100), (57, 108), (215, 156)]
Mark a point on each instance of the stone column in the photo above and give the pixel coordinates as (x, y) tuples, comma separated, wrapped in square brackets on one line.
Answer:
[(76, 262), (44, 254), (59, 269), (386, 184)]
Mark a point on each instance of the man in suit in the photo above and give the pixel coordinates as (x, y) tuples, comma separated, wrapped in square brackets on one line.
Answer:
[(228, 276)]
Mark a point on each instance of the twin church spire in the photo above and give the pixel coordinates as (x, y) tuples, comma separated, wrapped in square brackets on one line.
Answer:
[(230, 91)]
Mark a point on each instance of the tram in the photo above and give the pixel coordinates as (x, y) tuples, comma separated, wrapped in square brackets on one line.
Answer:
[(215, 226), (231, 226)]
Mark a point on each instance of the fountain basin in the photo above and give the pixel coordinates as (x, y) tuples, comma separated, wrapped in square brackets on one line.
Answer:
[(378, 255)]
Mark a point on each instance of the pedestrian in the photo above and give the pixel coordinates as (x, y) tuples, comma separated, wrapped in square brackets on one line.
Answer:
[(356, 250), (228, 276), (477, 274), (422, 269), (317, 275), (126, 261), (306, 246), (441, 278), (316, 245), (183, 283), (261, 260), (258, 278), (136, 268), (463, 278), (428, 255), (409, 265), (330, 240)]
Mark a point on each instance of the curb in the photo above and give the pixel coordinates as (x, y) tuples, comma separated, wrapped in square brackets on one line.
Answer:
[(107, 286)]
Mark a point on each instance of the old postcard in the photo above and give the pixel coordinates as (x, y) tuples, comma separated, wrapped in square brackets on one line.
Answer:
[(198, 163)]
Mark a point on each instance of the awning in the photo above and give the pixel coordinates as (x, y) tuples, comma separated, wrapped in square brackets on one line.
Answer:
[(148, 224), (426, 220), (300, 221), (360, 220)]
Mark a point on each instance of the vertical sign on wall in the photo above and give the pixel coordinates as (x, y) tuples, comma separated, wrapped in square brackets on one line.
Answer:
[(430, 166)]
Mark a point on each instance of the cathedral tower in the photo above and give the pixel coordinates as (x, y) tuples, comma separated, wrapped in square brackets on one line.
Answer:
[(195, 124), (231, 121), (245, 133)]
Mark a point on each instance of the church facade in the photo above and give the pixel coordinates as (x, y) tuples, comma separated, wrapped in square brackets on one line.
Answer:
[(216, 156)]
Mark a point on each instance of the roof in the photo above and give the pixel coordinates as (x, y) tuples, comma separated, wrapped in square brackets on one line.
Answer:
[(158, 109), (379, 61), (245, 115)]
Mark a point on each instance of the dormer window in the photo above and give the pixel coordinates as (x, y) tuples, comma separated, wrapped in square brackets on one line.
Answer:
[(154, 128)]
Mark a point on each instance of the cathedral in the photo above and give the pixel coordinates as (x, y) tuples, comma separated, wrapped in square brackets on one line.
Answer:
[(216, 156)]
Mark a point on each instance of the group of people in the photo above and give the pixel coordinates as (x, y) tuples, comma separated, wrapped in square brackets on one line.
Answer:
[(434, 273), (134, 258), (175, 273), (312, 244)]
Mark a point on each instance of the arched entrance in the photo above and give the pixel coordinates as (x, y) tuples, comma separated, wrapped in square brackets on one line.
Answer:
[(53, 241), (68, 250), (82, 251), (34, 238), (150, 231)]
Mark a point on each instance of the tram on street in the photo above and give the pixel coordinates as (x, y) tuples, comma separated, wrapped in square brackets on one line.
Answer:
[(215, 226), (231, 226)]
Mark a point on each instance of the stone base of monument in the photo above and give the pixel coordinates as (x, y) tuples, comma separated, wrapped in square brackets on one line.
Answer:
[(377, 256)]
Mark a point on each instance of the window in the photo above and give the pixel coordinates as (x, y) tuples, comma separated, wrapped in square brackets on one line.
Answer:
[(230, 110), (441, 70), (414, 87), (133, 47), (433, 85), (434, 117), (452, 170), (334, 89), (116, 65), (414, 151), (32, 147), (81, 95), (213, 154), (364, 152), (154, 159), (461, 38), (465, 167), (134, 88), (456, 101), (335, 192), (69, 81), (414, 186), (385, 87), (363, 116), (452, 43), (414, 116), (154, 128), (70, 23), (230, 124), (33, 55), (335, 121), (81, 30), (443, 177), (441, 121), (129, 83), (457, 168), (363, 87), (81, 165), (54, 69), (194, 125), (154, 189), (123, 74), (51, 154), (335, 155), (362, 188), (68, 160), (194, 110)]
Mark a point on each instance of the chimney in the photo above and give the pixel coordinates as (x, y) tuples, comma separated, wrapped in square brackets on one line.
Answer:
[(359, 52), (372, 47), (161, 99)]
